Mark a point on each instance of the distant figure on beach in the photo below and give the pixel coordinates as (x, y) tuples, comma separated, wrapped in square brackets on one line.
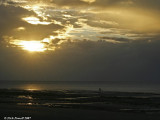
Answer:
[(100, 90)]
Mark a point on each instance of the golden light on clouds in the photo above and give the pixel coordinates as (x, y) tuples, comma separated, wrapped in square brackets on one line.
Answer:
[(38, 9), (35, 21), (65, 34), (56, 22), (20, 28), (89, 1), (132, 19)]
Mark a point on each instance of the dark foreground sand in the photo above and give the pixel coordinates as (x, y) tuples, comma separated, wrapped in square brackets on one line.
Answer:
[(46, 113), (78, 105)]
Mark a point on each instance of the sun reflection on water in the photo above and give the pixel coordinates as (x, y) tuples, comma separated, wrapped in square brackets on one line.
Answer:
[(31, 87), (25, 97)]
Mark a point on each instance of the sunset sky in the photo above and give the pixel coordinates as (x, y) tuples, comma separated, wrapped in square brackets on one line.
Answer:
[(74, 40)]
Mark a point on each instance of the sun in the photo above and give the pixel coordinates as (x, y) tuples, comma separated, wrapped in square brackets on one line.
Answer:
[(32, 46)]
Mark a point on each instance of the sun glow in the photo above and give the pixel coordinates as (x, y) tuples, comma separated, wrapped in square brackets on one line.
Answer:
[(32, 46)]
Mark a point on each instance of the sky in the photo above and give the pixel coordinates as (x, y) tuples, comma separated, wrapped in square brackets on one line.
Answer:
[(80, 40)]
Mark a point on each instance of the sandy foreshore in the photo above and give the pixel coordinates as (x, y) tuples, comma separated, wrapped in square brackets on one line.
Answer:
[(78, 105), (46, 113)]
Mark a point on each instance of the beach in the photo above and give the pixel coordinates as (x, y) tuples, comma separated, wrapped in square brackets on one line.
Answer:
[(45, 113), (78, 105), (79, 59)]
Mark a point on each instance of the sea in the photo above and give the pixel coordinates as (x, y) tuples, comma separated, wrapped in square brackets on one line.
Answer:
[(120, 86)]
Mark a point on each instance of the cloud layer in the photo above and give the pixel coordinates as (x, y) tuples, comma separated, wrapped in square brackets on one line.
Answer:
[(11, 20), (95, 40), (86, 61)]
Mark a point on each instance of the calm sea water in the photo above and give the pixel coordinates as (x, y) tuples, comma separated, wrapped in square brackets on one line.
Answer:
[(84, 85)]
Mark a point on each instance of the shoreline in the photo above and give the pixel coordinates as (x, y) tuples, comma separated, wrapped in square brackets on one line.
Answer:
[(79, 104), (46, 113)]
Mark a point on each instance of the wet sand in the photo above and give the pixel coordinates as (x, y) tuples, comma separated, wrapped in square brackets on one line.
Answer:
[(79, 105), (46, 113)]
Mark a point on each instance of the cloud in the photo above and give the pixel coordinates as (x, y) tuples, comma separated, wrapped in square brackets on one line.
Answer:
[(11, 20), (97, 3), (86, 61), (127, 30), (143, 14)]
